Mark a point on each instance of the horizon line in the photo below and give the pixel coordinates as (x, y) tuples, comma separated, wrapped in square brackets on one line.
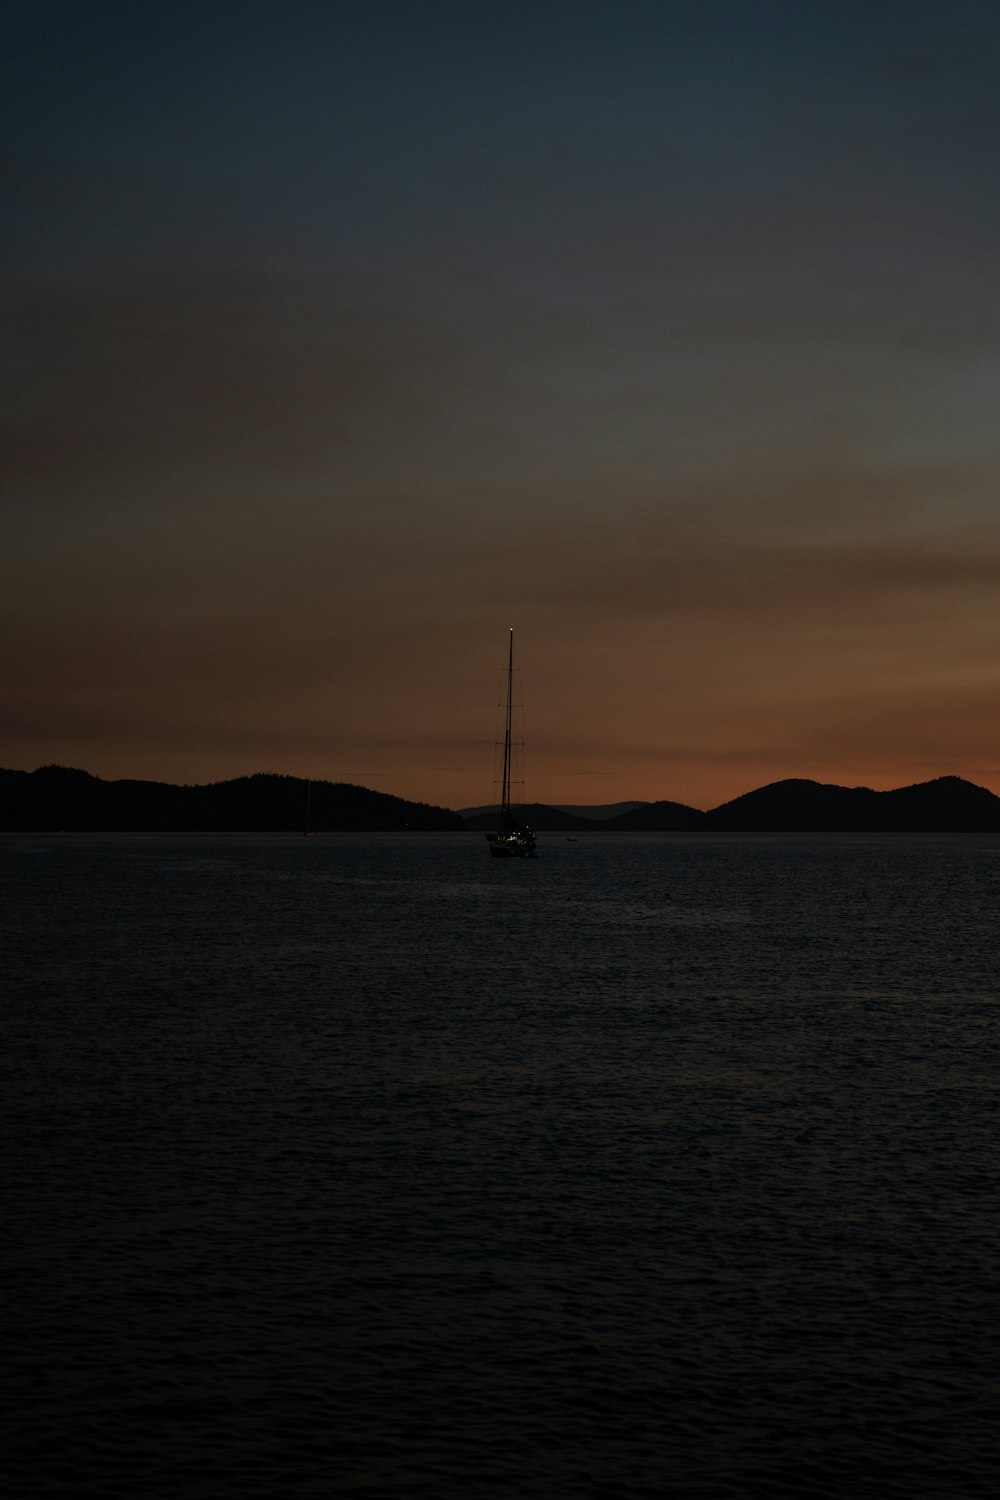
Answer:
[(524, 802)]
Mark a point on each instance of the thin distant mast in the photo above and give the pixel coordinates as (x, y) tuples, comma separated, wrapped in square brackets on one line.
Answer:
[(510, 838), (505, 780)]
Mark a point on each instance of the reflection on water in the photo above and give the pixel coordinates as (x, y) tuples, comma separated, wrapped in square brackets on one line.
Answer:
[(373, 1166)]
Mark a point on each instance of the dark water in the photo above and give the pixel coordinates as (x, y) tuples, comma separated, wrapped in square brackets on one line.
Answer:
[(373, 1167)]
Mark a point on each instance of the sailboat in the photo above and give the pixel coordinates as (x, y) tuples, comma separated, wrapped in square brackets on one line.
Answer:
[(511, 840)]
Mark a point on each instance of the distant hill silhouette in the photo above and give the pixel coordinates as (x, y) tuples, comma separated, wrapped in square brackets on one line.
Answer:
[(599, 812), (596, 812), (658, 817), (946, 805), (57, 798)]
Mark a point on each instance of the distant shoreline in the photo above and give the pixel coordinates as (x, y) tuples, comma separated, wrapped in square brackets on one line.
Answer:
[(56, 799)]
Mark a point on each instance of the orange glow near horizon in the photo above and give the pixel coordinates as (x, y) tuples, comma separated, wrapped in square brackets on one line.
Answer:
[(695, 704), (655, 661)]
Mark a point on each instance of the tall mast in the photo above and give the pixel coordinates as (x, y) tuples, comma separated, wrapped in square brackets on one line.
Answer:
[(505, 783)]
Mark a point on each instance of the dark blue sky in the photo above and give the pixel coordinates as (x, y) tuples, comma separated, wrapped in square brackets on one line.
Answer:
[(343, 337), (395, 91)]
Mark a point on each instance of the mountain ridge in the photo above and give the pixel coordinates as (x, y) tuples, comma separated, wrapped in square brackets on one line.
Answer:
[(61, 798), (593, 812), (945, 804)]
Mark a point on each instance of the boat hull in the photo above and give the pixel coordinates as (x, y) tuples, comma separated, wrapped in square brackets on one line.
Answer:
[(515, 847)]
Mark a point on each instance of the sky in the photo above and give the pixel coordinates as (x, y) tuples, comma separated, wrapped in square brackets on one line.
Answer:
[(340, 339)]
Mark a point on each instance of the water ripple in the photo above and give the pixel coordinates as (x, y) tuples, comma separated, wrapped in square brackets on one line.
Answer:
[(665, 1166)]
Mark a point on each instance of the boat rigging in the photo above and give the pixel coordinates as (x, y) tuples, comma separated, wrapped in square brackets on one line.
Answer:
[(511, 840)]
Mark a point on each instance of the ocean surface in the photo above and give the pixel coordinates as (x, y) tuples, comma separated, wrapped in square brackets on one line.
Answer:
[(370, 1166)]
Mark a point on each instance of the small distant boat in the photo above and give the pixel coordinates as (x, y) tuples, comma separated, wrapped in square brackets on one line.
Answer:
[(511, 840)]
